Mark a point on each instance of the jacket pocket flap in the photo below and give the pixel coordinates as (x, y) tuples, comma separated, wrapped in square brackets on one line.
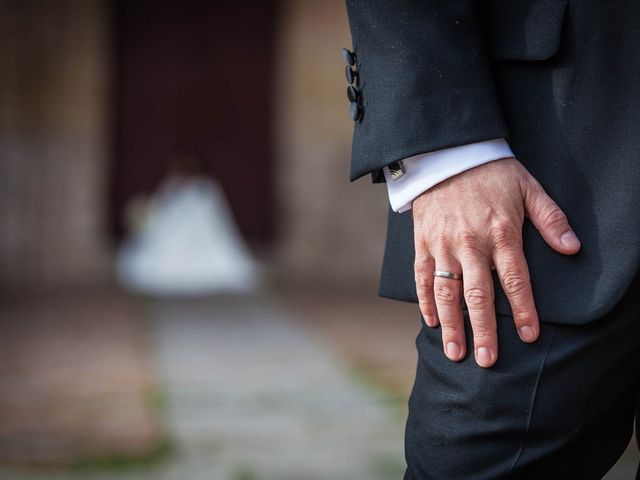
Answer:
[(523, 30)]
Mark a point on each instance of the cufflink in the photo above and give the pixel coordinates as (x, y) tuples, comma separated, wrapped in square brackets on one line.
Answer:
[(397, 170)]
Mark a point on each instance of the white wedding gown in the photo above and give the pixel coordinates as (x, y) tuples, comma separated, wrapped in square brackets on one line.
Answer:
[(187, 244)]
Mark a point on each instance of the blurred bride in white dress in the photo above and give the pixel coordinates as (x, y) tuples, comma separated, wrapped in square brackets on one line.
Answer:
[(184, 241)]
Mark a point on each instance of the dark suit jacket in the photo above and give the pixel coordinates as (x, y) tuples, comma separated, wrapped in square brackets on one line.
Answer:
[(559, 79)]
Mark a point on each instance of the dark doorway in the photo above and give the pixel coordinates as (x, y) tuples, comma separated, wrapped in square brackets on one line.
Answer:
[(194, 80)]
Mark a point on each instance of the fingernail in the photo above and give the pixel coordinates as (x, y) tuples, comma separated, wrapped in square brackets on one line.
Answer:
[(569, 239), (453, 350), (526, 333), (428, 320), (483, 356)]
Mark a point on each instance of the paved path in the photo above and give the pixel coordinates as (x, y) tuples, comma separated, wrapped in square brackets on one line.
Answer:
[(75, 378), (254, 396), (251, 395)]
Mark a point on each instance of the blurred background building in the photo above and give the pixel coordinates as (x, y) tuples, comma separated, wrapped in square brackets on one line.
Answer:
[(302, 375), (100, 100)]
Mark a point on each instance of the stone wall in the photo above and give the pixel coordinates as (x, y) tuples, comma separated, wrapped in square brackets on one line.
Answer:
[(53, 128), (332, 231)]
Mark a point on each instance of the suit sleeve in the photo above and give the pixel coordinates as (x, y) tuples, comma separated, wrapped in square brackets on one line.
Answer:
[(423, 80)]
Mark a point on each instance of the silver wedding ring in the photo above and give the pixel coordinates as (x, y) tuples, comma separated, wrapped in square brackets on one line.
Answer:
[(451, 275)]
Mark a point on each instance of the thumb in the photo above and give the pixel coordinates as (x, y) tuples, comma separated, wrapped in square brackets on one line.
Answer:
[(550, 220)]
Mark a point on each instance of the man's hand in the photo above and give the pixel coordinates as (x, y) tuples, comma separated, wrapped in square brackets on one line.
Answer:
[(469, 224)]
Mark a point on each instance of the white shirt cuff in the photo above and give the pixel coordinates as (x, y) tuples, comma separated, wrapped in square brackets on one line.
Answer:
[(426, 170)]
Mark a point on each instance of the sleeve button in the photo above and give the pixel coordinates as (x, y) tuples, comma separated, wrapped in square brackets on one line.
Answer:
[(351, 74), (355, 111), (352, 93), (349, 57)]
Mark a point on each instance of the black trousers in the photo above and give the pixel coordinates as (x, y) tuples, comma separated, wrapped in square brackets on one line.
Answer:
[(560, 408)]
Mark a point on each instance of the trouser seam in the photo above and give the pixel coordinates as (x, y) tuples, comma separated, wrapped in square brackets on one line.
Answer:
[(532, 404)]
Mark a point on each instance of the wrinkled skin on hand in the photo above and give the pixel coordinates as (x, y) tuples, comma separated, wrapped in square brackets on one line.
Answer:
[(469, 224)]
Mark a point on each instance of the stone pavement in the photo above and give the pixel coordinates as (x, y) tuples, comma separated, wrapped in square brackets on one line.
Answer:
[(255, 396), (251, 395), (75, 379)]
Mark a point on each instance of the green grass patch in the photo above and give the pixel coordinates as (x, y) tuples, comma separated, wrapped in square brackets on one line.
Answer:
[(244, 472), (386, 466), (143, 461), (157, 401)]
